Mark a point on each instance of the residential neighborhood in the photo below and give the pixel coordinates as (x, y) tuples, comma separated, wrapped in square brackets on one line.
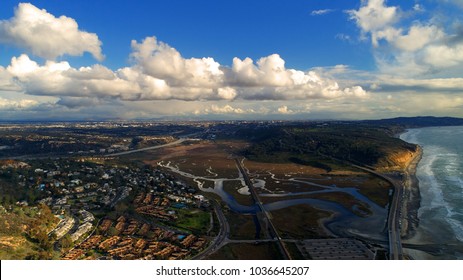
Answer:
[(86, 195)]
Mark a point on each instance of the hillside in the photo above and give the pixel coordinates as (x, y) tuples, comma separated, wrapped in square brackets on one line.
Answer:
[(360, 144), (414, 122), (23, 232)]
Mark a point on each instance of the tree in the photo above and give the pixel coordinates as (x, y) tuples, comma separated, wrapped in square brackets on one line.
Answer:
[(66, 243), (113, 231)]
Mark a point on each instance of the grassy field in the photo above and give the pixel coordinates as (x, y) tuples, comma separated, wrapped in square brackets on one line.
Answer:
[(194, 220), (241, 226)]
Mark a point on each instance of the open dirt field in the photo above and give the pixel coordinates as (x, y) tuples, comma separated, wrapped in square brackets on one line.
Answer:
[(205, 158)]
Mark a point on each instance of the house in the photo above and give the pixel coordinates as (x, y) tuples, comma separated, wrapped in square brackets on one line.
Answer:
[(76, 181)]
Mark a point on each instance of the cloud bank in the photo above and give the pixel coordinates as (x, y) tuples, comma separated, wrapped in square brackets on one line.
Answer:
[(24, 104), (159, 72)]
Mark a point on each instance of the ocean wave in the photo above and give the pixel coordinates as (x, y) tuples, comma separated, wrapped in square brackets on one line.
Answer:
[(456, 226), (428, 179), (438, 173), (411, 136)]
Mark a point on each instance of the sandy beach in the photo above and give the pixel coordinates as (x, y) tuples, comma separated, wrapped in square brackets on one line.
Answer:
[(431, 227), (411, 200)]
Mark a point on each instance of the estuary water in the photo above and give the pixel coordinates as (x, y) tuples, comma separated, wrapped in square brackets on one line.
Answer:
[(440, 175), (343, 222)]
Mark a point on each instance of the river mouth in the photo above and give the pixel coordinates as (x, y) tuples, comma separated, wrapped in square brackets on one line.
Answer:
[(342, 222)]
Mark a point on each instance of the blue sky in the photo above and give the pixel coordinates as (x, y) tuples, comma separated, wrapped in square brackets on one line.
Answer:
[(220, 29), (346, 59)]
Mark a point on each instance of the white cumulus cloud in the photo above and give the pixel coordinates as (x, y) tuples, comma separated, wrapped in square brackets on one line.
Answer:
[(159, 72), (284, 110), (412, 47), (418, 36), (23, 104), (269, 79), (227, 109), (160, 60), (47, 36), (60, 79), (374, 16), (6, 81)]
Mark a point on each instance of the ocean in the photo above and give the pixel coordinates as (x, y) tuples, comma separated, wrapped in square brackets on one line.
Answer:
[(440, 175)]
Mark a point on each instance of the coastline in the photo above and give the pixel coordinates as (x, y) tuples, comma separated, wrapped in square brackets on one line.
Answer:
[(412, 199), (430, 235)]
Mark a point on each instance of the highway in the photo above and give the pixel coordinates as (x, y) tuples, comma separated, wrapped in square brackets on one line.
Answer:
[(179, 141), (395, 243), (268, 220)]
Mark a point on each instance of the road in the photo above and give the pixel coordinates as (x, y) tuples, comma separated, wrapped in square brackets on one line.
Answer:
[(395, 243), (224, 232), (268, 220), (179, 141), (221, 238)]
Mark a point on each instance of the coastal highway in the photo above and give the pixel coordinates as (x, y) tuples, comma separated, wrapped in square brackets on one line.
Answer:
[(395, 243), (268, 220)]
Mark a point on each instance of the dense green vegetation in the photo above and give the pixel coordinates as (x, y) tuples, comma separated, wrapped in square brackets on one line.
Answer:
[(411, 122), (305, 145), (194, 220), (24, 232)]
